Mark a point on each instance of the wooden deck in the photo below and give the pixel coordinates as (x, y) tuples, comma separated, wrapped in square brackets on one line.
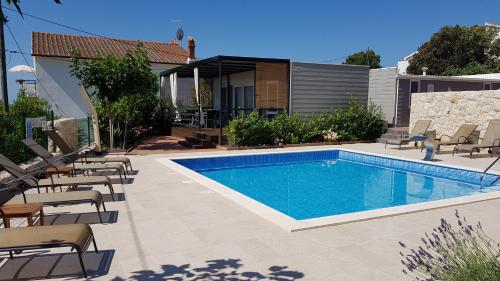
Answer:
[(183, 132)]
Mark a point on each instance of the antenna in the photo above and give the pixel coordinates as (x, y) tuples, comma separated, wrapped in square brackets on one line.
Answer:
[(179, 35)]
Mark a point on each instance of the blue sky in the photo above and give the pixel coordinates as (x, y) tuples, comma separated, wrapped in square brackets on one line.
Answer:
[(311, 30)]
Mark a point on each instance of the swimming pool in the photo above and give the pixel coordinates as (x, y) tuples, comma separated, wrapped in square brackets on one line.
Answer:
[(318, 184)]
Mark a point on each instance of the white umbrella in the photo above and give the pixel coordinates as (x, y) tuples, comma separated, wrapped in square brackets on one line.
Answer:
[(22, 69)]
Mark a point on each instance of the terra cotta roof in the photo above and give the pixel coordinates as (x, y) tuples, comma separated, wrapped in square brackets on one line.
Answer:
[(59, 45)]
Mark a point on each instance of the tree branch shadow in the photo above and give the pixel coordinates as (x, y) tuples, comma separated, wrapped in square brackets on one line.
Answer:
[(214, 270)]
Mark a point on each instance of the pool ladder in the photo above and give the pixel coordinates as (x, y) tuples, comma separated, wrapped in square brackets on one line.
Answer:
[(487, 169)]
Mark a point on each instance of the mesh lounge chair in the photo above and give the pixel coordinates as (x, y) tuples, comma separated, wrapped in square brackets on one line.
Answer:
[(12, 196), (490, 140), (64, 147), (420, 129), (52, 182), (57, 162), (76, 236), (461, 136)]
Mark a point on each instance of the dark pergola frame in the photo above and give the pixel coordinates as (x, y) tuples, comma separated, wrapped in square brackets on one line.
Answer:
[(219, 66)]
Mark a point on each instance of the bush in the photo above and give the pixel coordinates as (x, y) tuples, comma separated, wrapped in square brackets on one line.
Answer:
[(249, 130), (12, 129), (358, 122), (287, 129), (449, 254)]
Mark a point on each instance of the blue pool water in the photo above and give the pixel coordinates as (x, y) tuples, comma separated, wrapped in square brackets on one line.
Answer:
[(315, 184)]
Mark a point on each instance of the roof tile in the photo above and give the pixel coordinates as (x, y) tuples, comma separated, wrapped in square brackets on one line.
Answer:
[(59, 45)]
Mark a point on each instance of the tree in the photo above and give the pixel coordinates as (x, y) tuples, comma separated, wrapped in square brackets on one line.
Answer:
[(112, 78), (458, 50), (16, 4), (368, 57), (205, 89)]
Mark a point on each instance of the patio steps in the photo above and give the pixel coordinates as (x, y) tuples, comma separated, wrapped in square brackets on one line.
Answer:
[(200, 140), (393, 133)]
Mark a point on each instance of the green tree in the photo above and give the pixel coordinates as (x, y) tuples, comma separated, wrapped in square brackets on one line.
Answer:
[(17, 3), (111, 78), (368, 57), (458, 50), (205, 89), (12, 126)]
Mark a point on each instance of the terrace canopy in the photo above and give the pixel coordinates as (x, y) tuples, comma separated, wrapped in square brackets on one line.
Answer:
[(270, 82)]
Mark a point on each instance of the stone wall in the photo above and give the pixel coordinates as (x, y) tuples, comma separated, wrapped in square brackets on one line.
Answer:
[(67, 128), (448, 110)]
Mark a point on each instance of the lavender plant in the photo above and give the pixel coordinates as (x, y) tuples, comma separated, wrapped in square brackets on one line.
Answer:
[(450, 254)]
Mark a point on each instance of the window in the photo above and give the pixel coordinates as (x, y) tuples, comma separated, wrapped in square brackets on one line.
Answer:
[(430, 87), (249, 97), (487, 86), (414, 88)]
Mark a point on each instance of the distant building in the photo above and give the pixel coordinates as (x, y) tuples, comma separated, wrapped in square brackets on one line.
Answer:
[(51, 53)]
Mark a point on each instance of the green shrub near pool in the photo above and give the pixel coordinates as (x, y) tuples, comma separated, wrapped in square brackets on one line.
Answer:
[(358, 122)]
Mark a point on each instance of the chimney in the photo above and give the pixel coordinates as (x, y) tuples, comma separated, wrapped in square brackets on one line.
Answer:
[(191, 47), (424, 70)]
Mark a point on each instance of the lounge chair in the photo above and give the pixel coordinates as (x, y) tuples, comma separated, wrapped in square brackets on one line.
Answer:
[(461, 136), (52, 182), (76, 236), (419, 130), (57, 162), (490, 140), (17, 195), (64, 147)]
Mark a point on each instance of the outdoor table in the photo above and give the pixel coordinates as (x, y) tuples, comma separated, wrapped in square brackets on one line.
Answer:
[(21, 211), (62, 170)]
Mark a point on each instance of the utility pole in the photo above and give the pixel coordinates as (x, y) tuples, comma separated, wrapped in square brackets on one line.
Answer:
[(3, 65)]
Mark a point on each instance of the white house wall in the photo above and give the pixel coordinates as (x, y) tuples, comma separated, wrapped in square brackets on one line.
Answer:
[(62, 91)]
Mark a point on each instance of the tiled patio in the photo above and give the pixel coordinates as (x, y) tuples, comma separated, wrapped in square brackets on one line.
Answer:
[(168, 227)]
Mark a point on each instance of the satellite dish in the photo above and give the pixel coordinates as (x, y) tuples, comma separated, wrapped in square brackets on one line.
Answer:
[(180, 34)]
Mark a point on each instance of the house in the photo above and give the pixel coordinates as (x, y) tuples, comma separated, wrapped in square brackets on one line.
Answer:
[(239, 85), (392, 91), (52, 59)]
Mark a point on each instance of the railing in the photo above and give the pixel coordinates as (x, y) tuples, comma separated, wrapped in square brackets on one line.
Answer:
[(487, 169)]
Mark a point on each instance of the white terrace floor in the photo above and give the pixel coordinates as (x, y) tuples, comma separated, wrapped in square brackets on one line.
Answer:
[(172, 228)]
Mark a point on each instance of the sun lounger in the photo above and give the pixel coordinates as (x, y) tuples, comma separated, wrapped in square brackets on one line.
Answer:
[(461, 136), (53, 182), (64, 147), (418, 131), (57, 162), (490, 140), (17, 195), (75, 236)]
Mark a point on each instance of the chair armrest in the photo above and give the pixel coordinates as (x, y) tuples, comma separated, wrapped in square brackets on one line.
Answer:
[(441, 136), (496, 142)]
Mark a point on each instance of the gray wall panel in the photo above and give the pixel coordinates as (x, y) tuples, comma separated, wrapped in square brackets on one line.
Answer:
[(382, 90), (317, 88)]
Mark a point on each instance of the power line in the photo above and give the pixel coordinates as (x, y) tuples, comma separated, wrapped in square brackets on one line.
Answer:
[(90, 33), (32, 71)]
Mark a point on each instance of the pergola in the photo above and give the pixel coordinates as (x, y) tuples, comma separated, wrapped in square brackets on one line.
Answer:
[(213, 67)]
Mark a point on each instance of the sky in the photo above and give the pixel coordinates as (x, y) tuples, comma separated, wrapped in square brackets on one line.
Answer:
[(307, 31)]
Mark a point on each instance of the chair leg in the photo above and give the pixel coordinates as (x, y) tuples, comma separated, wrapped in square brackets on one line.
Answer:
[(103, 206), (80, 258), (111, 190), (99, 213), (120, 173), (95, 244), (11, 255)]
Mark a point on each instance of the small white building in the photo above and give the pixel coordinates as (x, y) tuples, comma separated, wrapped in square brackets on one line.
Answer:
[(52, 60)]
